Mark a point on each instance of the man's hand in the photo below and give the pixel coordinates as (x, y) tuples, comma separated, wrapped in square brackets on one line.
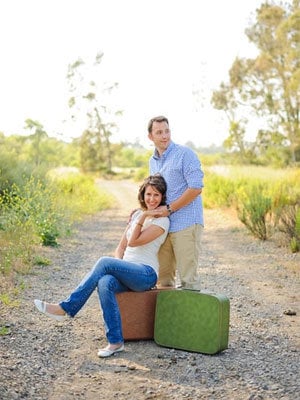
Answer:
[(163, 211), (156, 213)]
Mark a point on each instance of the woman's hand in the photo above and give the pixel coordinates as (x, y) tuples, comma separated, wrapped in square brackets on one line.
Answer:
[(142, 236)]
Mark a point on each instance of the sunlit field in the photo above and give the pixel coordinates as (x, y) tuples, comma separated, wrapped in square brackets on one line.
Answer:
[(266, 200), (255, 172)]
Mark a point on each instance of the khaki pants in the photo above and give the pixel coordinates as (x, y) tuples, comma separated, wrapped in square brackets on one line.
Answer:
[(181, 251)]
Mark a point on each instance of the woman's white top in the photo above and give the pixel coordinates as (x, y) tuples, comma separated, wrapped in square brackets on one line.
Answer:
[(147, 253)]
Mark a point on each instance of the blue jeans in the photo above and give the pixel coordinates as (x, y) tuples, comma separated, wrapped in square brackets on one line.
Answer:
[(110, 276)]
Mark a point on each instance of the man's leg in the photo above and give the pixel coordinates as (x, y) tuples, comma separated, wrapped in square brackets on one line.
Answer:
[(186, 247), (167, 265)]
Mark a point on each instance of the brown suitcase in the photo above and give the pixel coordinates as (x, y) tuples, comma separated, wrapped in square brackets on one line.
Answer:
[(137, 311)]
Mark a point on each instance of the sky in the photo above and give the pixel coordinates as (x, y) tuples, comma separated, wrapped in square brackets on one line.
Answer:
[(167, 57)]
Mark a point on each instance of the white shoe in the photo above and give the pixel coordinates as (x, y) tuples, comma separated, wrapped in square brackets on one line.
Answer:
[(107, 353), (41, 306)]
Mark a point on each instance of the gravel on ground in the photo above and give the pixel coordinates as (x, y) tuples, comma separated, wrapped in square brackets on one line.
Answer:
[(41, 359)]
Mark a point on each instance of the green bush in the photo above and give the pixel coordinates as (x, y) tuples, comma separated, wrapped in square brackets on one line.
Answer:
[(286, 208), (39, 212), (219, 191), (79, 195), (17, 239), (16, 171), (254, 208), (33, 204), (267, 200), (141, 174)]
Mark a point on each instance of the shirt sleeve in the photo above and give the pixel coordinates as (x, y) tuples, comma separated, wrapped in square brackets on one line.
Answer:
[(163, 222), (192, 170)]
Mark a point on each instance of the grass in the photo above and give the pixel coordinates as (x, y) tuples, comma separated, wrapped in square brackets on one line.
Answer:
[(4, 330), (254, 172), (38, 213), (266, 199)]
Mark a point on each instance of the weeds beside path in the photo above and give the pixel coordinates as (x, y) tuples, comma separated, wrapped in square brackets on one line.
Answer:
[(43, 359)]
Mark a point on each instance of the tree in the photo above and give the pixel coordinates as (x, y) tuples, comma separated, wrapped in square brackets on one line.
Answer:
[(36, 152), (268, 85), (96, 150), (36, 139)]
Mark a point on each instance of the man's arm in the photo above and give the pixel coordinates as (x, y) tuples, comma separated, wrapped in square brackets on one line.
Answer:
[(186, 198)]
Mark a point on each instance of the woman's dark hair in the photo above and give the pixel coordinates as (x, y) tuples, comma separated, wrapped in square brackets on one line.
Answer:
[(158, 182)]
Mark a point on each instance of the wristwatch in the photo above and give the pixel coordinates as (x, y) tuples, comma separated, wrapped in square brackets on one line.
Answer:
[(169, 208)]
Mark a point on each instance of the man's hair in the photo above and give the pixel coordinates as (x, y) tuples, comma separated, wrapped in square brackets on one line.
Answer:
[(160, 118), (158, 182)]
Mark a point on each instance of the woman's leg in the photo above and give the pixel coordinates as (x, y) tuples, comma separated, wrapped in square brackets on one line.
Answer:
[(120, 276), (137, 277), (108, 286), (82, 293)]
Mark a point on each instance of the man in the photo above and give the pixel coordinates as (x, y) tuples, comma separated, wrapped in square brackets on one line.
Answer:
[(181, 169)]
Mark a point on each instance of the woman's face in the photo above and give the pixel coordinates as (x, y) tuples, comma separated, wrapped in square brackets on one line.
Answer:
[(152, 197)]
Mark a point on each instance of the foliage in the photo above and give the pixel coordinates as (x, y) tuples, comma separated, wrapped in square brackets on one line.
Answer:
[(253, 208), (17, 241), (17, 163), (32, 207), (287, 209), (40, 260), (4, 330), (18, 160), (96, 151), (289, 223), (211, 159), (267, 200), (271, 149), (12, 168), (82, 195), (37, 137), (141, 174), (268, 85), (131, 157), (41, 211), (218, 191), (9, 300)]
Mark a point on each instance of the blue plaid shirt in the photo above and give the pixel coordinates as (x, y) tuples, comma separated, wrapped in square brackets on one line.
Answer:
[(181, 169)]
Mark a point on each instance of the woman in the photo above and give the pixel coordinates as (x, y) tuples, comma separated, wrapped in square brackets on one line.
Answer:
[(134, 267)]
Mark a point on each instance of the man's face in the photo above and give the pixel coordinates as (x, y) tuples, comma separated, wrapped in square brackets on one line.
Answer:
[(160, 136)]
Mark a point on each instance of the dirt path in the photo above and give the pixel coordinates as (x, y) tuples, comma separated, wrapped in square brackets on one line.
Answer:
[(43, 359)]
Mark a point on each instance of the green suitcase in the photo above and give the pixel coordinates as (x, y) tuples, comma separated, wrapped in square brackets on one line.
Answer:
[(191, 320)]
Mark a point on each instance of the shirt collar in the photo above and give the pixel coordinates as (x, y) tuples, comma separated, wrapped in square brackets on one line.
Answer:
[(165, 153)]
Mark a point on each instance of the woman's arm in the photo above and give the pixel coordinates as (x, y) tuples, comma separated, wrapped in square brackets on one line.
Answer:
[(120, 250), (140, 237)]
